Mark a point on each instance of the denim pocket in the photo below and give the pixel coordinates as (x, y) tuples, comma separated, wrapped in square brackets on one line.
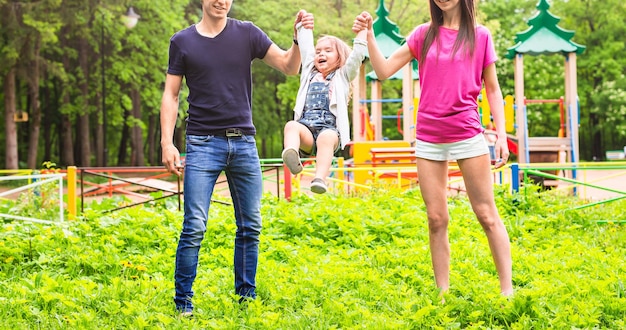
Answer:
[(199, 139), (249, 138)]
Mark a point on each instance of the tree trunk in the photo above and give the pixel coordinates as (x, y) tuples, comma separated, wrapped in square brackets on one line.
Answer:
[(122, 152), (102, 152), (136, 136), (35, 120), (151, 140), (263, 147), (11, 161), (66, 148), (83, 138), (47, 125), (596, 137), (100, 143), (338, 7), (67, 142)]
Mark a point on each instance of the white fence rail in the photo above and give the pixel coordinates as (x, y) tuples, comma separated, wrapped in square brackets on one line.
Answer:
[(36, 180)]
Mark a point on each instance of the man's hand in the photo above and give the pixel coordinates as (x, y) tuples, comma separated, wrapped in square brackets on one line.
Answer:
[(171, 159)]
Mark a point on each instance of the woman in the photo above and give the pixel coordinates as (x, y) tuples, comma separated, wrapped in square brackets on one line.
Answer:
[(456, 56)]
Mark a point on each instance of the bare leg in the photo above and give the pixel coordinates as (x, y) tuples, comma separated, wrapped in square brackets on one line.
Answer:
[(297, 136), (326, 143), (479, 185), (433, 179)]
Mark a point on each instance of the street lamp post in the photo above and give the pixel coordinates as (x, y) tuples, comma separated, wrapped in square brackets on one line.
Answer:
[(130, 19)]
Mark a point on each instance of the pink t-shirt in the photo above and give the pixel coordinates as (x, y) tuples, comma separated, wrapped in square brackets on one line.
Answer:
[(450, 87)]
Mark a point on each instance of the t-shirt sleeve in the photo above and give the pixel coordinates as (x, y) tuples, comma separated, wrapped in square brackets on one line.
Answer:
[(490, 50), (260, 41), (416, 40), (176, 64)]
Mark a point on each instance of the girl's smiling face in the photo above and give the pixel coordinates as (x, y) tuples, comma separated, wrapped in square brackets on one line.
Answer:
[(326, 56)]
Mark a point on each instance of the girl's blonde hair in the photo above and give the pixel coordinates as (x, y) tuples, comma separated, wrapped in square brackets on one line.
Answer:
[(342, 48)]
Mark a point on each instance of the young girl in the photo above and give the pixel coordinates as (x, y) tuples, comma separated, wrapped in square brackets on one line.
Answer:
[(455, 57), (321, 123)]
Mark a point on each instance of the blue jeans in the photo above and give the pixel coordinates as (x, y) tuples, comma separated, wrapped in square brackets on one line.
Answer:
[(207, 157)]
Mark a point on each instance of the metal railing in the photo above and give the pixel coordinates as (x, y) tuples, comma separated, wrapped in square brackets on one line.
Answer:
[(34, 181), (115, 180), (573, 184)]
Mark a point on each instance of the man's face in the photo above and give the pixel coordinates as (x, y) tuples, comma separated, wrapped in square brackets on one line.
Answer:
[(216, 8)]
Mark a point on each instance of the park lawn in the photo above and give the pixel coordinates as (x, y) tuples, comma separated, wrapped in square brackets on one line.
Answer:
[(326, 262)]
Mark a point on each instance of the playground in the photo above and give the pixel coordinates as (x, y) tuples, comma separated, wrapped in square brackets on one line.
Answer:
[(374, 161), (551, 161), (93, 247)]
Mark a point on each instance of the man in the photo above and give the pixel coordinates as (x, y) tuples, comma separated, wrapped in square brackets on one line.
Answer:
[(215, 57)]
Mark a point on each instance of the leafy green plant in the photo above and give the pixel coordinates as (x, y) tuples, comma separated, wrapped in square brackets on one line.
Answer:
[(326, 262)]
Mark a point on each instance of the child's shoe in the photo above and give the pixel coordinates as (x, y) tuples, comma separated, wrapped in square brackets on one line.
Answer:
[(291, 158), (318, 186)]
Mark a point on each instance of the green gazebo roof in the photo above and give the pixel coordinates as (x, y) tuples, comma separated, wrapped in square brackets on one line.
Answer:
[(388, 39), (544, 36)]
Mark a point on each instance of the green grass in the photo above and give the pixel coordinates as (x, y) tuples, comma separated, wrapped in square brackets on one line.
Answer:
[(326, 262)]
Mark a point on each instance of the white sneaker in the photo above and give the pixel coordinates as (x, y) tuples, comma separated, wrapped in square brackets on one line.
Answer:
[(291, 158), (318, 186)]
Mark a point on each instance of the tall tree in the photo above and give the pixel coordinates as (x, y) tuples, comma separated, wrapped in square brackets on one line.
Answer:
[(66, 143), (602, 71), (11, 160), (137, 128), (11, 35), (70, 90), (35, 104)]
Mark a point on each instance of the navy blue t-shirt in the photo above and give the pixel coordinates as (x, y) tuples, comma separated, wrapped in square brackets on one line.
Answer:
[(218, 74)]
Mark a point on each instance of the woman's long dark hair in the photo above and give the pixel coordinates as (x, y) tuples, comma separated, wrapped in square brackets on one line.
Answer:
[(466, 38)]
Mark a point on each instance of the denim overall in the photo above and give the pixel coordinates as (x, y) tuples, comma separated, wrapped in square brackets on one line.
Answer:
[(317, 115)]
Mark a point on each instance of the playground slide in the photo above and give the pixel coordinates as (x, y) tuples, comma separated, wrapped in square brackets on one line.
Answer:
[(511, 142), (369, 129)]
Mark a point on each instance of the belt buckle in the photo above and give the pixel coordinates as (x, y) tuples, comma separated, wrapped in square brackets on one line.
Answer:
[(231, 132)]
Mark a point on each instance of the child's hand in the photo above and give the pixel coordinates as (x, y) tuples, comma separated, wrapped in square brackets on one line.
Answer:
[(304, 18), (362, 21)]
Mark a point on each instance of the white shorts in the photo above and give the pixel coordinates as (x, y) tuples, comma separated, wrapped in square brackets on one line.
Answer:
[(472, 147)]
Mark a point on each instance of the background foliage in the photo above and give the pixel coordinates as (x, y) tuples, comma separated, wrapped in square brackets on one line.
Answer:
[(52, 53), (324, 264)]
